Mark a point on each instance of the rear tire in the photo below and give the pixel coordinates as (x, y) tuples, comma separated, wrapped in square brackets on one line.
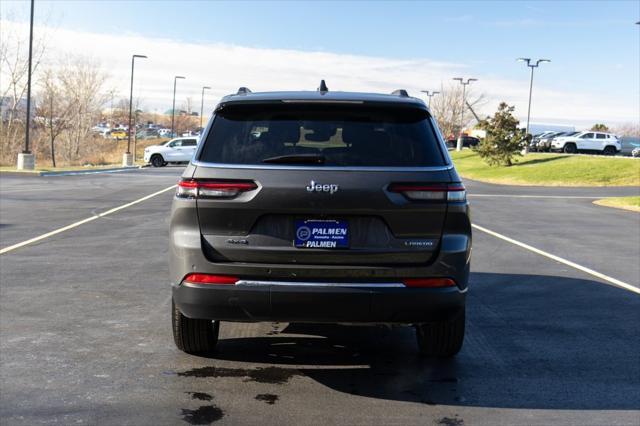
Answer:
[(570, 148), (441, 339), (191, 335), (157, 160), (609, 150)]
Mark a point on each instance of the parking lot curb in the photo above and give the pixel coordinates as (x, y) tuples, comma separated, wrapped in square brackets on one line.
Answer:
[(69, 172)]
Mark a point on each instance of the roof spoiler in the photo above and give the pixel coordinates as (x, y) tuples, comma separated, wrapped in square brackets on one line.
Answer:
[(243, 91), (400, 92)]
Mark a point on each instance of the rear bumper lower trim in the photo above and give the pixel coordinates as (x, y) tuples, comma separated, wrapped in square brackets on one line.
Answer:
[(311, 303), (255, 283)]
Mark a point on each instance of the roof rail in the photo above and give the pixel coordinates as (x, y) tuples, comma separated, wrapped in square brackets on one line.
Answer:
[(243, 91), (400, 92), (323, 87)]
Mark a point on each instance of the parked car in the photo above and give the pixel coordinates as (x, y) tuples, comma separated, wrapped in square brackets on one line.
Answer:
[(544, 143), (118, 134), (587, 141), (146, 134), (164, 133), (467, 142), (535, 140), (635, 152), (100, 129), (178, 150), (336, 208)]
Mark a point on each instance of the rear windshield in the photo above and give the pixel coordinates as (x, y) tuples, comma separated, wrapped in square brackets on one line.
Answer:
[(354, 135)]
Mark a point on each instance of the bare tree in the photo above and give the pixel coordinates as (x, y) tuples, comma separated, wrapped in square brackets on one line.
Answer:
[(447, 108), (82, 82), (189, 105), (628, 129), (14, 68), (54, 109)]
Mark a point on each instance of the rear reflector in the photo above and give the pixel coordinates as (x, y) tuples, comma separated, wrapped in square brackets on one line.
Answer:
[(213, 189), (429, 282), (210, 279), (430, 192)]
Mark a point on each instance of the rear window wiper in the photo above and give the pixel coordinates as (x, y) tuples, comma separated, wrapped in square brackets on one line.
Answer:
[(296, 158)]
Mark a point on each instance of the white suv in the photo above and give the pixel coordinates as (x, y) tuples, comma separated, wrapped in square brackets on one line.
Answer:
[(177, 150), (604, 143)]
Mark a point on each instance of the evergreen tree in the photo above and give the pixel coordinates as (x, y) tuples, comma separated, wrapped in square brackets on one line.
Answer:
[(503, 140)]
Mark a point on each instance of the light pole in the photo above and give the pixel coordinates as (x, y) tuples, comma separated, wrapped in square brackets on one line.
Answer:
[(532, 66), (173, 108), (430, 95), (202, 103), (26, 160), (128, 158), (464, 86)]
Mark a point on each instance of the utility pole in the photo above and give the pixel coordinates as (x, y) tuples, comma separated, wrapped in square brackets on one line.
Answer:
[(202, 103), (27, 160), (173, 108), (430, 95), (128, 159), (532, 66), (464, 86)]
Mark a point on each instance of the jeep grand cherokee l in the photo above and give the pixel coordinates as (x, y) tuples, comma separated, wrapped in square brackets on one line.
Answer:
[(322, 206)]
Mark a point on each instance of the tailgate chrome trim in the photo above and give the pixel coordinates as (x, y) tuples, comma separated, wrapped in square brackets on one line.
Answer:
[(256, 283)]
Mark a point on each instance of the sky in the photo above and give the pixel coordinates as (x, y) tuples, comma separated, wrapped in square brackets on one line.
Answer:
[(594, 47)]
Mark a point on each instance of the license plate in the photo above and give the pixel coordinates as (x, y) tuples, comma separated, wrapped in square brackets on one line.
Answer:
[(322, 234)]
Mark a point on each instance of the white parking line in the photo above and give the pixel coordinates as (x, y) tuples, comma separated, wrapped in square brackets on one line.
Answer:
[(596, 274), (83, 221)]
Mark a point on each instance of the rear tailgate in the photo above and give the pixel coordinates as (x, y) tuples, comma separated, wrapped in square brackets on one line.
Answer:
[(260, 226)]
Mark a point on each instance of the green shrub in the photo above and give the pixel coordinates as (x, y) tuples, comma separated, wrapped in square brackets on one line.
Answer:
[(503, 140)]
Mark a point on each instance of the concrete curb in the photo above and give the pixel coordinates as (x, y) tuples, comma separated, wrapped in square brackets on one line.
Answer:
[(70, 172)]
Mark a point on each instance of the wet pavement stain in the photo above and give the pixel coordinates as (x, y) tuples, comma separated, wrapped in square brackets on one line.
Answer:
[(269, 398), (200, 396), (271, 375), (203, 415), (450, 421)]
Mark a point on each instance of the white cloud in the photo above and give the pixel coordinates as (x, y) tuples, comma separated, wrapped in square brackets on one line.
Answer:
[(226, 67)]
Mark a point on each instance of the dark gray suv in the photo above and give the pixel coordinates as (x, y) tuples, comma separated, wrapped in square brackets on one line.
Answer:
[(321, 206)]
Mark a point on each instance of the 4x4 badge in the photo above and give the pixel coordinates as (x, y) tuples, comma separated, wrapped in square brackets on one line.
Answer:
[(316, 187)]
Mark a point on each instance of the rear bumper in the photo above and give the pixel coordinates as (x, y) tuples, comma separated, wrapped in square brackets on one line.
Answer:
[(309, 303)]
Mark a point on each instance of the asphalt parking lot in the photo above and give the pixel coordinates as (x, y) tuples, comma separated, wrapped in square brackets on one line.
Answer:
[(85, 334)]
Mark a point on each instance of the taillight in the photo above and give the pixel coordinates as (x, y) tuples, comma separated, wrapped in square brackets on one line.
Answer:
[(429, 282), (210, 279), (430, 192), (213, 189)]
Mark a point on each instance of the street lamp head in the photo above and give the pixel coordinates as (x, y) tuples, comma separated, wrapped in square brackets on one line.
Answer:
[(543, 60), (139, 56), (527, 60), (472, 79), (179, 76), (206, 87), (458, 78), (435, 93)]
